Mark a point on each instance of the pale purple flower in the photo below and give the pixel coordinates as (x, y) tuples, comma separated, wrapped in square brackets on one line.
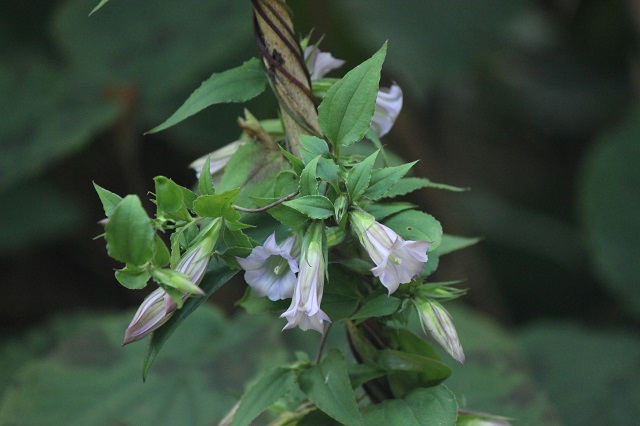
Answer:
[(271, 269), (388, 106), (150, 316), (218, 160), (320, 63), (304, 310), (397, 261), (435, 319)]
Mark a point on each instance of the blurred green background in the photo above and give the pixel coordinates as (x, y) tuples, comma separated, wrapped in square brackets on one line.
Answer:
[(531, 104)]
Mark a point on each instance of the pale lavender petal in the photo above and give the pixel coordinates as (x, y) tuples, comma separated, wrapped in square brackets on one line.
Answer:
[(320, 63), (388, 106)]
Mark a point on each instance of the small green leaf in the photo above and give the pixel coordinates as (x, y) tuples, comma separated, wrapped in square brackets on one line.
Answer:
[(308, 178), (286, 183), (360, 176), (218, 205), (435, 406), (161, 256), (296, 163), (410, 184), (313, 206), (235, 85), (327, 385), (263, 393), (217, 275), (312, 146), (236, 238), (382, 180), (132, 278), (417, 225), (129, 232), (205, 183), (287, 215), (328, 171), (108, 199), (170, 198), (174, 279), (379, 306), (346, 111)]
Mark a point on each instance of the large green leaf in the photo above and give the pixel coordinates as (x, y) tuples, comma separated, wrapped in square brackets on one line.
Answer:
[(82, 376), (346, 111), (592, 376), (327, 385), (235, 85), (609, 206), (434, 407), (416, 225), (129, 232), (217, 275), (313, 206)]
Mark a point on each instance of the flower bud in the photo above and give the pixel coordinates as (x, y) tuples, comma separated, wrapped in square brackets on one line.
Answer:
[(150, 315), (435, 318)]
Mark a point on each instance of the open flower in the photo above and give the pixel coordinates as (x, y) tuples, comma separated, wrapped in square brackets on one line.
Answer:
[(436, 320), (218, 160), (397, 261), (304, 310), (271, 269), (320, 63), (388, 106)]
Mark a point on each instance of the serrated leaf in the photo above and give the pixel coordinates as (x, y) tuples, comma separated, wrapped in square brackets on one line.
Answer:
[(95, 9), (312, 206), (235, 85), (416, 225), (327, 385), (328, 171), (309, 179), (218, 205), (161, 255), (435, 406), (108, 199), (217, 275), (346, 111), (312, 146), (129, 232), (263, 393), (383, 211), (379, 306), (406, 185), (382, 180), (360, 176), (205, 183)]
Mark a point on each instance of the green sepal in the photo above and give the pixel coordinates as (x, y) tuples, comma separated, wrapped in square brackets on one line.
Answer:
[(346, 111), (129, 233), (312, 146), (340, 207), (172, 199), (382, 180), (218, 205), (161, 255), (177, 280), (108, 199), (133, 278), (327, 385), (360, 176), (309, 179), (312, 206), (205, 183)]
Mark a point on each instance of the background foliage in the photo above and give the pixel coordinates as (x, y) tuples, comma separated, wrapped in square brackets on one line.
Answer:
[(532, 104)]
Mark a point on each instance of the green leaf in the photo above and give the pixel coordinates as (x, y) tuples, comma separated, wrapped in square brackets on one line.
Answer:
[(235, 85), (382, 180), (308, 178), (327, 385), (108, 199), (328, 171), (609, 205), (346, 111), (416, 225), (424, 371), (170, 198), (383, 211), (360, 176), (218, 205), (95, 9), (161, 255), (286, 214), (217, 275), (312, 146), (312, 206), (129, 232), (379, 306), (451, 243), (410, 184), (434, 407), (133, 279), (205, 183), (263, 393), (286, 183)]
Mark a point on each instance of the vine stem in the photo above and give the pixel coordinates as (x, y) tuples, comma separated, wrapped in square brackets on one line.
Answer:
[(323, 341), (267, 207)]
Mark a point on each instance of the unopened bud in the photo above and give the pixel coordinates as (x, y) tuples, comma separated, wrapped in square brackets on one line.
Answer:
[(435, 318)]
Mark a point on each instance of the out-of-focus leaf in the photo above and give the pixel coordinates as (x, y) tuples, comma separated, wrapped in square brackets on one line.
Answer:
[(410, 184), (591, 376), (87, 378), (22, 222), (235, 85), (451, 243), (495, 377), (95, 9), (434, 406), (609, 206)]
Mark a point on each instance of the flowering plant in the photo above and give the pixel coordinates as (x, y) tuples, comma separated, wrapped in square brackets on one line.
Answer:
[(304, 215)]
